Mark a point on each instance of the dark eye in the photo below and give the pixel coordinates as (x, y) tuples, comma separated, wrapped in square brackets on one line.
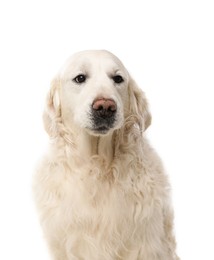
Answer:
[(80, 78), (118, 79)]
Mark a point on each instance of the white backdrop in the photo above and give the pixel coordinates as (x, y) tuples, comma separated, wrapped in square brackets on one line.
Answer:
[(168, 46)]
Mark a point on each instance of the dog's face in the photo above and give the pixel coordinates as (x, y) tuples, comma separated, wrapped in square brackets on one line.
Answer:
[(94, 89), (94, 92)]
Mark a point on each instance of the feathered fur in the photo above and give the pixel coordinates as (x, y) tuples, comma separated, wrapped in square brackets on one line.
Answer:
[(102, 197)]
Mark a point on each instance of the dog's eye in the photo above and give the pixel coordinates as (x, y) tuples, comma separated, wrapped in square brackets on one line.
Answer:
[(80, 78), (118, 79)]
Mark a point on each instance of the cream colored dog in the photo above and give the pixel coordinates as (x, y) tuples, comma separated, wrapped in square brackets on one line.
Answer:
[(101, 189)]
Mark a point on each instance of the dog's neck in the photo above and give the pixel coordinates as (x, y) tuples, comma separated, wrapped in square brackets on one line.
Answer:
[(89, 145), (81, 146)]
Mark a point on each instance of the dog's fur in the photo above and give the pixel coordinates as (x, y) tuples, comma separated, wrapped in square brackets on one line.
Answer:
[(101, 192)]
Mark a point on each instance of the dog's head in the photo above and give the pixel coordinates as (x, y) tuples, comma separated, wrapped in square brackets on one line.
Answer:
[(94, 92)]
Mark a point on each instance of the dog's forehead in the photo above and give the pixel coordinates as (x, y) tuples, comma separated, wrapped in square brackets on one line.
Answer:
[(96, 59)]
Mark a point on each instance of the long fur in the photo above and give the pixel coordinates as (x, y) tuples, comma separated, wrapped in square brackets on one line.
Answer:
[(103, 197)]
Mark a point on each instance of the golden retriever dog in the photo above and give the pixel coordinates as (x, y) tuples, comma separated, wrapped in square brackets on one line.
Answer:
[(101, 190)]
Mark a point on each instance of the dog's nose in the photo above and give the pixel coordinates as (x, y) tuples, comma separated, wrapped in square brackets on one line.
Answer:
[(104, 107)]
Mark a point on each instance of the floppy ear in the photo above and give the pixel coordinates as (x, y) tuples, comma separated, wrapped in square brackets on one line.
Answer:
[(52, 112), (138, 105)]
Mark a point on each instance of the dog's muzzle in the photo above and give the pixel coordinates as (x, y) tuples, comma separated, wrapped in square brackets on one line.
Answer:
[(103, 115)]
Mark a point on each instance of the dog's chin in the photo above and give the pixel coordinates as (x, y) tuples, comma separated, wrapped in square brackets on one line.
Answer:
[(103, 128), (100, 131)]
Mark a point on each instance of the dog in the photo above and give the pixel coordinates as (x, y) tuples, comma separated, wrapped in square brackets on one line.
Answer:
[(101, 190)]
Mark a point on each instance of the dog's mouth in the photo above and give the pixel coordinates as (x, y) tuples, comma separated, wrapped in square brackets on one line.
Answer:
[(102, 122), (100, 130)]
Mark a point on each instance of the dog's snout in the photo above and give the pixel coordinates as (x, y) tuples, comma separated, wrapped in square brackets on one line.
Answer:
[(103, 114), (104, 107), (104, 104)]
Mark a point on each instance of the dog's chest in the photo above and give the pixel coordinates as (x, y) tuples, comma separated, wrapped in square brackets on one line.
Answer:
[(96, 206), (86, 202)]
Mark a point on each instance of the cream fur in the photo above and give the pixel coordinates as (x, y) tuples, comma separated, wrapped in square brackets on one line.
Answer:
[(101, 196)]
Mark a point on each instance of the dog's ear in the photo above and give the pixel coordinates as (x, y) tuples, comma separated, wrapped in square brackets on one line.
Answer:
[(52, 111), (138, 105)]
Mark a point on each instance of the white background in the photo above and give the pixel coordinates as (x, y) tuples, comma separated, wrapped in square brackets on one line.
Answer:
[(168, 47)]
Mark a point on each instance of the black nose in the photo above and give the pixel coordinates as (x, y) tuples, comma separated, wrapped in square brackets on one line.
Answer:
[(104, 108)]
